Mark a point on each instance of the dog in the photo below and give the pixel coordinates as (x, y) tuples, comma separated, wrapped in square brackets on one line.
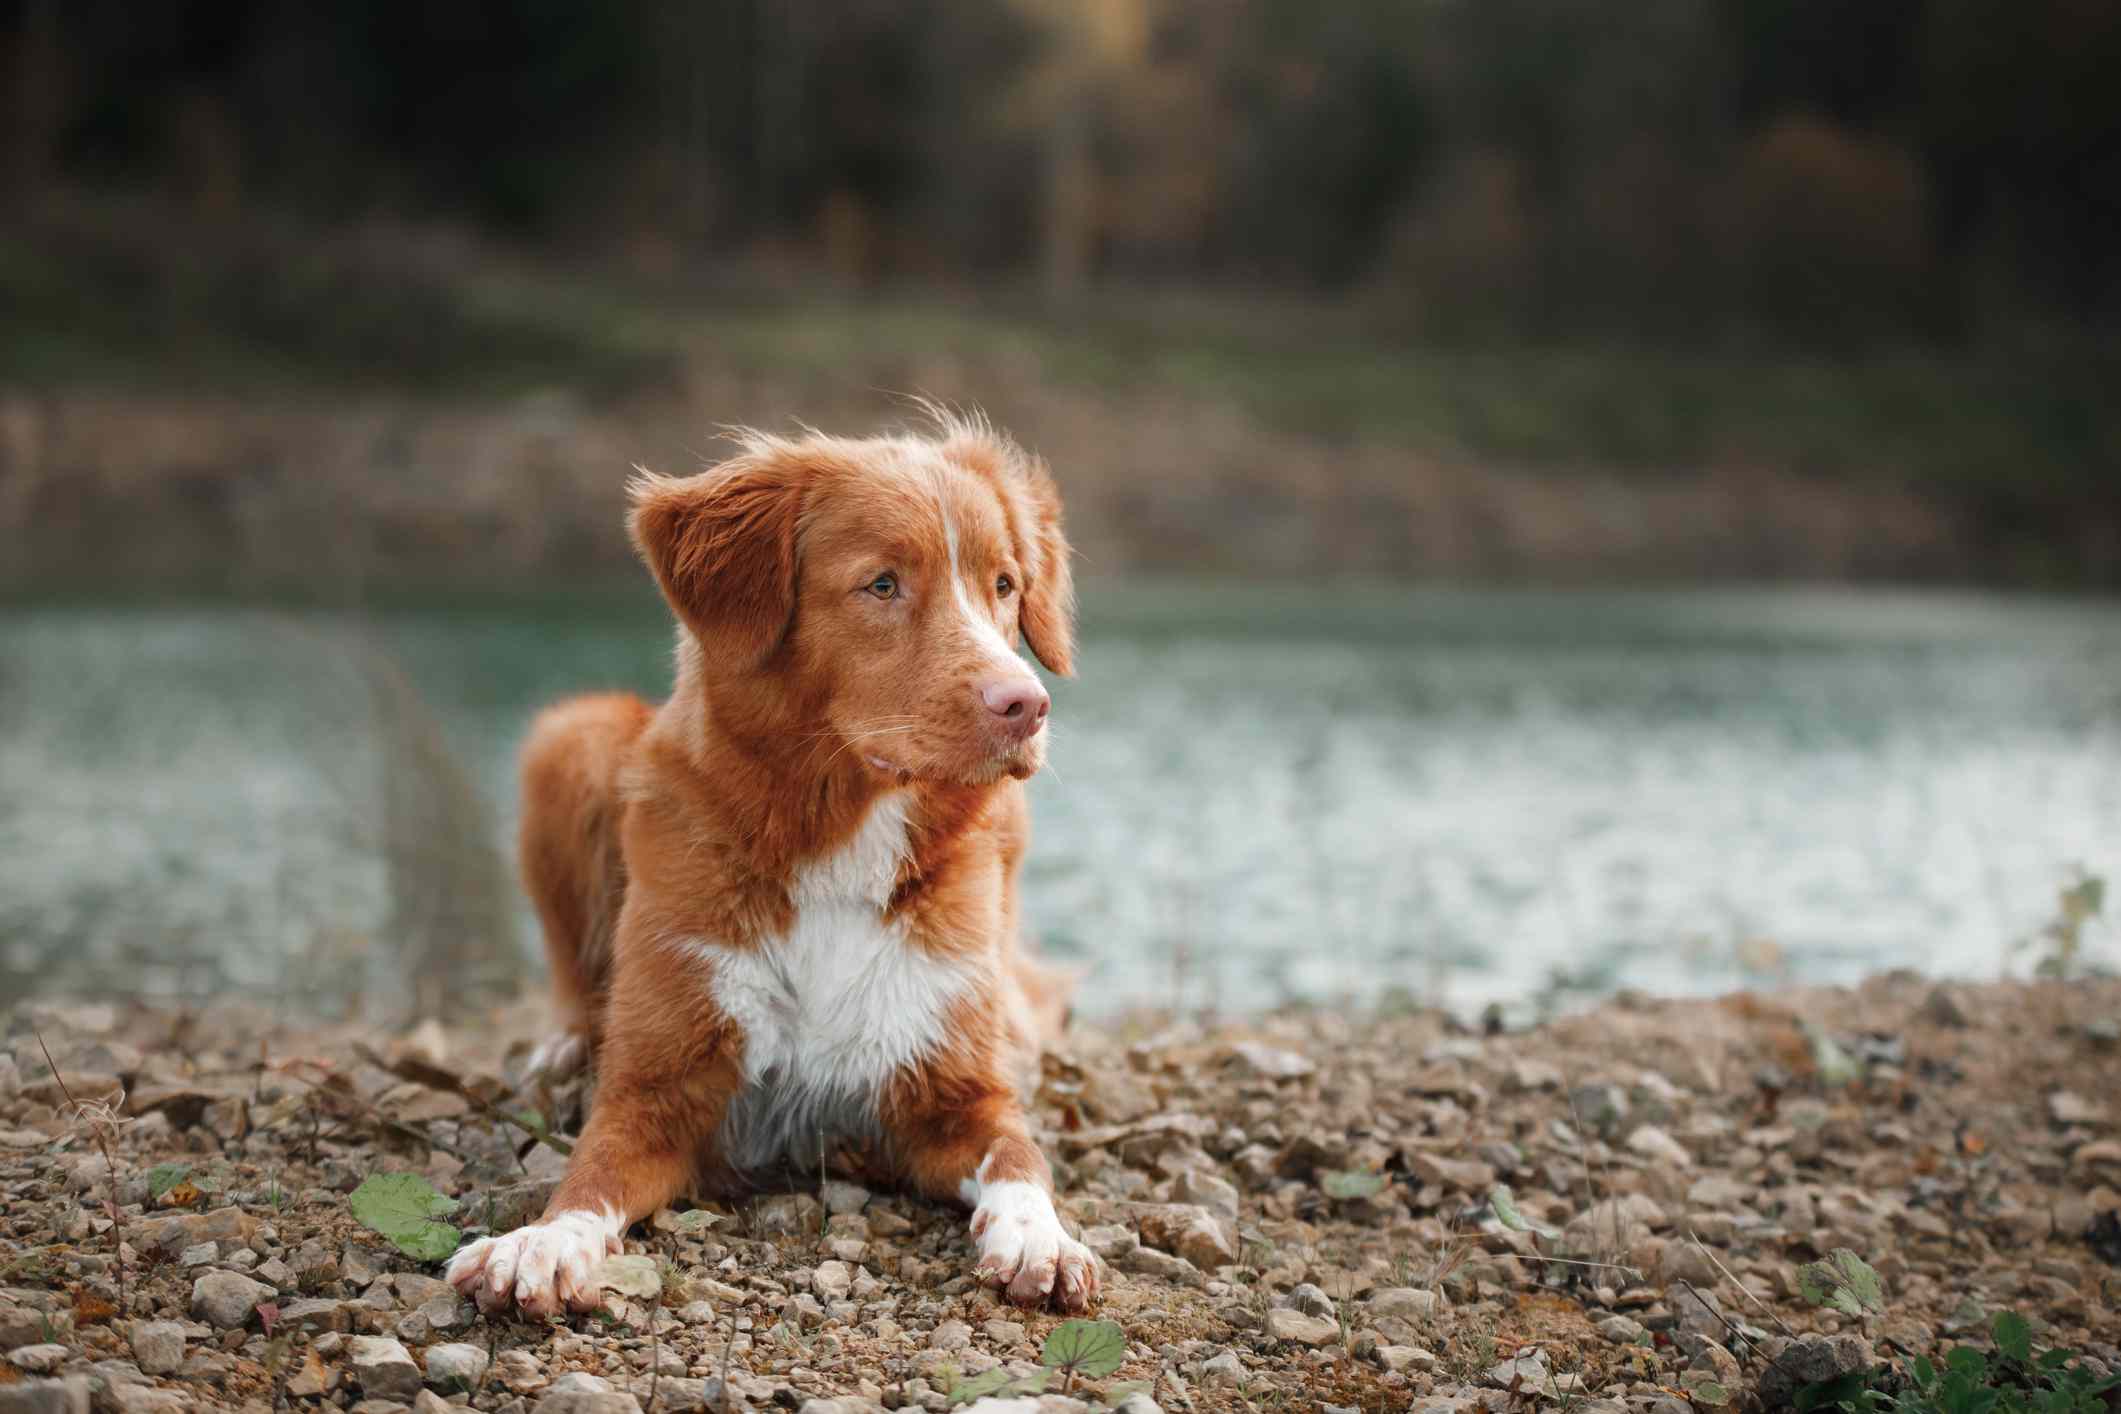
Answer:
[(783, 904)]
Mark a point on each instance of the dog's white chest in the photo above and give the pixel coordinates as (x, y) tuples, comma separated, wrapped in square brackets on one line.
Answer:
[(834, 1007)]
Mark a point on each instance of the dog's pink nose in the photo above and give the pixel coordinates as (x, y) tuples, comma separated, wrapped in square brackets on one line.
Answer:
[(1019, 703)]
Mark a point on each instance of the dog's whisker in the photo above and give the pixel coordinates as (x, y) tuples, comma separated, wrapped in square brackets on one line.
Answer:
[(864, 736)]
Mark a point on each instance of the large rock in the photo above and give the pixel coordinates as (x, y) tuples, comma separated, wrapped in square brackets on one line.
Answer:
[(382, 1368), (226, 1299)]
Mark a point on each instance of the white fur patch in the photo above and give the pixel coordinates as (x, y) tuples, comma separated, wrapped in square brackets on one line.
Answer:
[(557, 1057), (541, 1267), (835, 1007), (978, 624), (1024, 1248)]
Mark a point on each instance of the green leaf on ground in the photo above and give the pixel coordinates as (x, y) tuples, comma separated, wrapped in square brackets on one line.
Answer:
[(163, 1177), (1091, 1348), (997, 1381), (1353, 1183), (1844, 1282), (1504, 1202), (403, 1207), (2014, 1337), (1836, 1066)]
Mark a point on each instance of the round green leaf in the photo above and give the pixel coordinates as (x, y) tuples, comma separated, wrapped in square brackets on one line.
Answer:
[(403, 1207), (1092, 1348)]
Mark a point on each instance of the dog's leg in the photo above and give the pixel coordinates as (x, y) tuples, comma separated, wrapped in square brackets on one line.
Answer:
[(958, 1130), (654, 1117)]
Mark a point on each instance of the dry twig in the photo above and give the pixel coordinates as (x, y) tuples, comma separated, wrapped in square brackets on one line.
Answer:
[(101, 1120)]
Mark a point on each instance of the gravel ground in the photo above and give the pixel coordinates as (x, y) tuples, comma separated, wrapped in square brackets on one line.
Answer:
[(1296, 1212)]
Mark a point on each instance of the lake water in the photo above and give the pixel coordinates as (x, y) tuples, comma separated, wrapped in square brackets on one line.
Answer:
[(1256, 795)]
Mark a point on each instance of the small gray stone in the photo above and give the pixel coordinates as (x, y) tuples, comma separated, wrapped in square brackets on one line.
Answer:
[(1810, 1361), (67, 1396), (580, 1382), (1599, 1108), (147, 1399), (202, 1254), (843, 1197), (1530, 1369), (1304, 1330), (1399, 1358), (832, 1281), (38, 1359), (1206, 1190), (1147, 1261), (158, 1346), (1622, 1330), (1653, 1143), (1406, 1303), (1110, 1241), (1222, 1370), (1942, 1008), (455, 1366), (578, 1402), (382, 1367), (226, 1299), (1310, 1300)]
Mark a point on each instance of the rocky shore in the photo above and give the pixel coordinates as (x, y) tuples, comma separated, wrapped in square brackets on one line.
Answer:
[(1611, 1214)]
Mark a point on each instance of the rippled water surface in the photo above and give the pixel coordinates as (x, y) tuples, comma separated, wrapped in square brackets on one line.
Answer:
[(1255, 796)]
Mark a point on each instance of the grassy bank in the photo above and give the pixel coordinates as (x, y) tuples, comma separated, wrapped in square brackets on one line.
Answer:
[(1206, 432), (409, 308)]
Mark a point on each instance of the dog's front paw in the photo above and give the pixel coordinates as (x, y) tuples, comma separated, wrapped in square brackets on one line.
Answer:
[(1024, 1250), (539, 1268)]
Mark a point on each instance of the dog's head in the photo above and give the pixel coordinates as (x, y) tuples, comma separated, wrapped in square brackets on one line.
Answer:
[(874, 592)]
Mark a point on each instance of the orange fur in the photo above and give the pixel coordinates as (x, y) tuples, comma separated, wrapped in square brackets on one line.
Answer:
[(655, 838)]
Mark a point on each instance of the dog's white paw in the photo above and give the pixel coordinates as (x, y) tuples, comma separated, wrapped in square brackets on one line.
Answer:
[(1024, 1250), (539, 1268), (557, 1058)]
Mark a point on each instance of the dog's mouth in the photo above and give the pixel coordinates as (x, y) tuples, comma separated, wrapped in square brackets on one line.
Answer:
[(1021, 765)]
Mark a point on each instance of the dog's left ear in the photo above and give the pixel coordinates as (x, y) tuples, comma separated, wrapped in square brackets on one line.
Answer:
[(1048, 614), (722, 545)]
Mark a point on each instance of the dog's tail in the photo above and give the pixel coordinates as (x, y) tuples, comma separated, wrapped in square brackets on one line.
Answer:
[(569, 846), (1048, 992)]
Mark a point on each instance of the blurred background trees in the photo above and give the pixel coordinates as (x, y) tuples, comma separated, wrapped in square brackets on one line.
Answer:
[(1465, 288), (1676, 170)]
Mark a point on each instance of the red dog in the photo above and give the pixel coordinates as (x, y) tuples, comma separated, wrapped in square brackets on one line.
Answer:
[(783, 904)]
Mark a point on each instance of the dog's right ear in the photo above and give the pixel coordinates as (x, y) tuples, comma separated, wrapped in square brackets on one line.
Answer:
[(722, 546)]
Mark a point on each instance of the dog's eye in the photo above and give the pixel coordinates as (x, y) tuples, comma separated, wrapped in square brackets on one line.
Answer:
[(1003, 587), (884, 586)]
